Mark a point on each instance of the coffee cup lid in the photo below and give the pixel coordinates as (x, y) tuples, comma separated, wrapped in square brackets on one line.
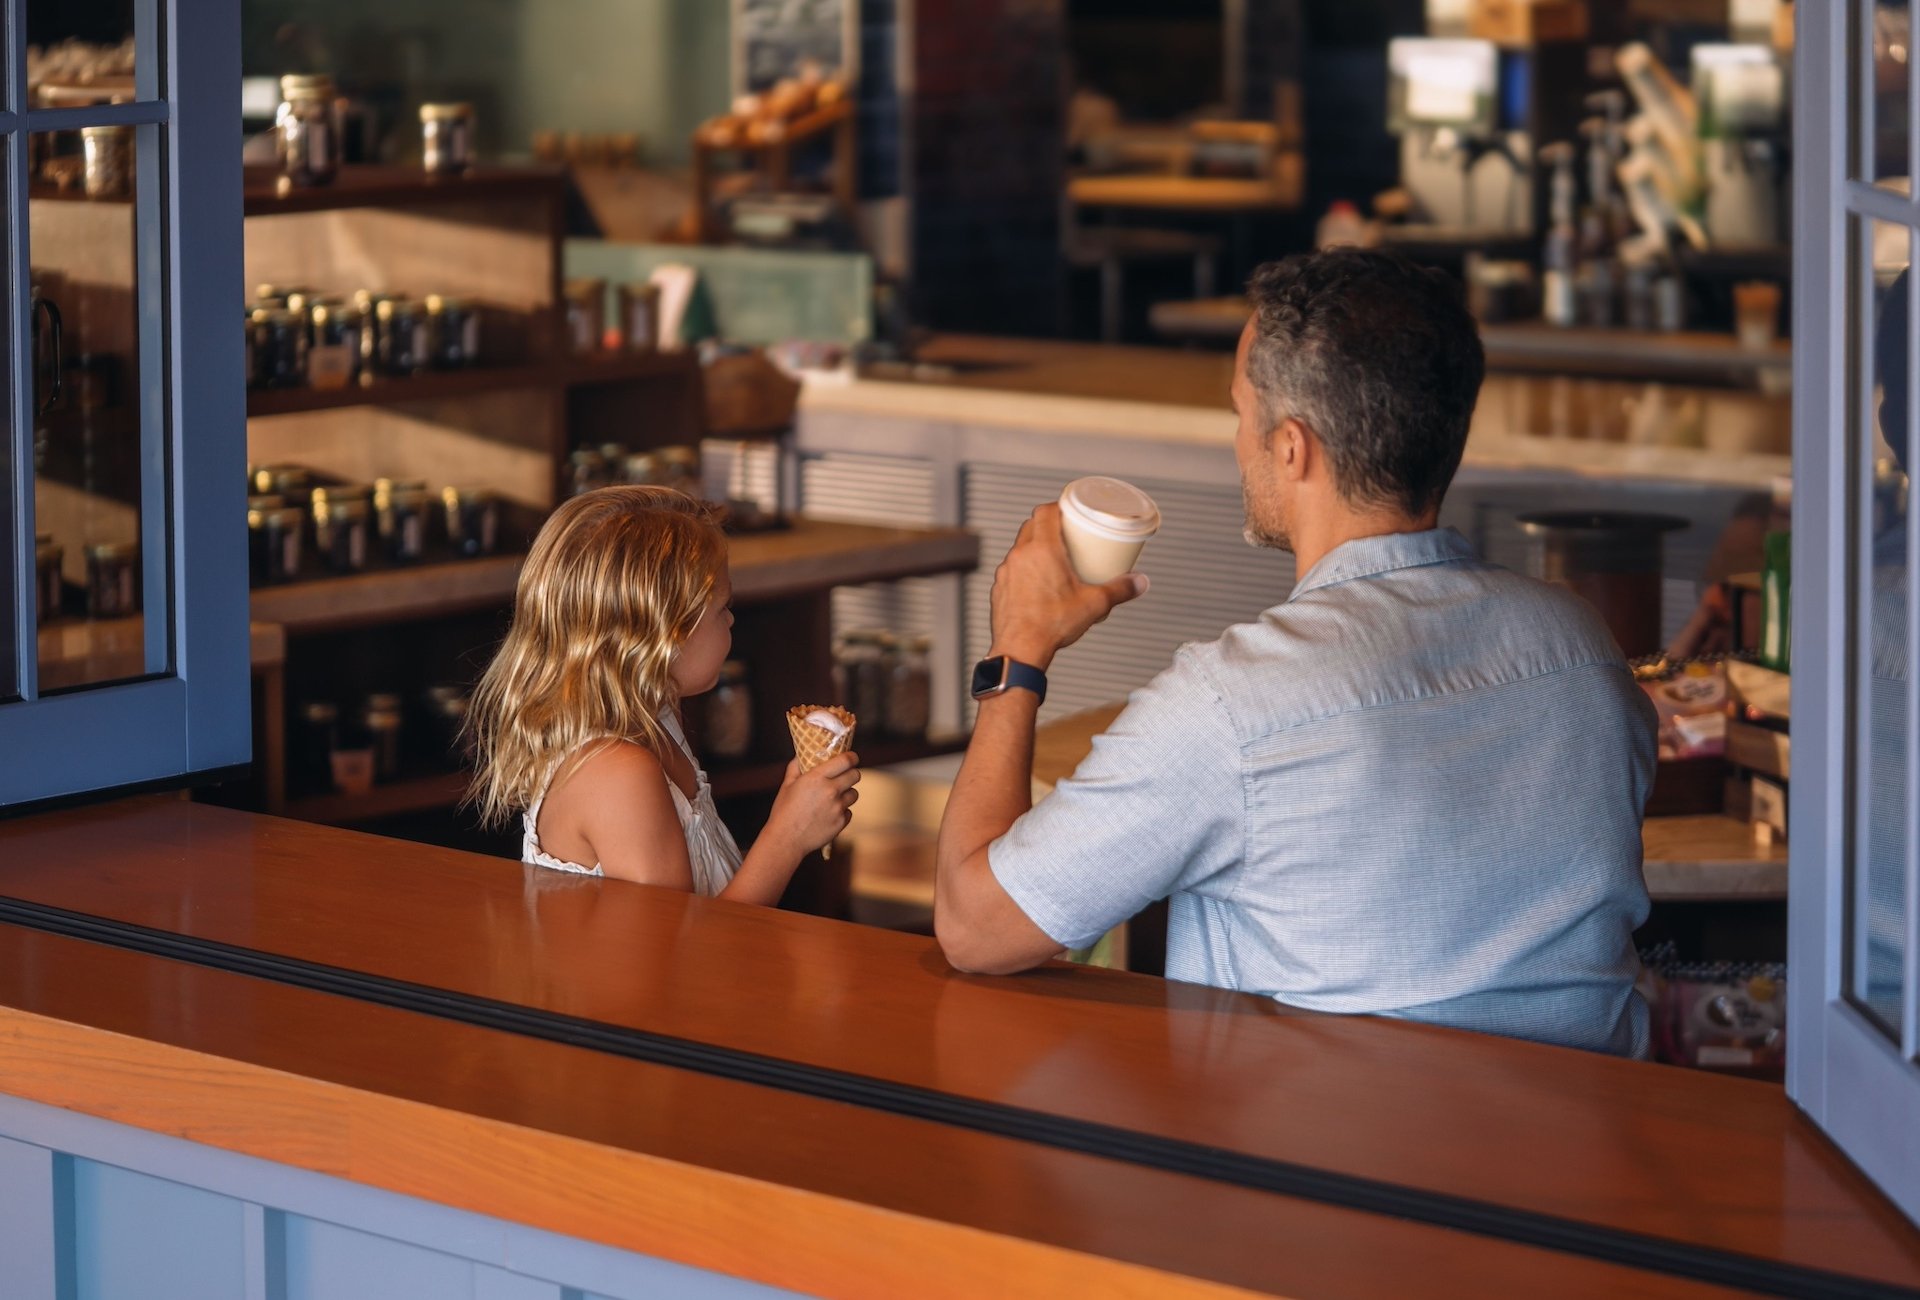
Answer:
[(1111, 506)]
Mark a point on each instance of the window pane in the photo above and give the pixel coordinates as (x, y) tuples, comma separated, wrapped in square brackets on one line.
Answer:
[(1881, 127), (1878, 892), (97, 412), (80, 52)]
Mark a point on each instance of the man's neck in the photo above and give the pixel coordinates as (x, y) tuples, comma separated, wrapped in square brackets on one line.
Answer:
[(1316, 537)]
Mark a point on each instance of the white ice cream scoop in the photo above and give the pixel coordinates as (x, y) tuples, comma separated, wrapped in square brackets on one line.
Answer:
[(826, 722)]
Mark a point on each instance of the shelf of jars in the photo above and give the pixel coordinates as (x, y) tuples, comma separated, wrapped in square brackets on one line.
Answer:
[(437, 385), (370, 185), (807, 556)]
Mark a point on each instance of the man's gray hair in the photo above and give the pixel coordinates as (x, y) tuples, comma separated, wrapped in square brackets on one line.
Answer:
[(1380, 359)]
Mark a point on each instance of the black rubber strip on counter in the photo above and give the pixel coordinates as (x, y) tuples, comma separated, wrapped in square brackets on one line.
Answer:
[(1085, 1137)]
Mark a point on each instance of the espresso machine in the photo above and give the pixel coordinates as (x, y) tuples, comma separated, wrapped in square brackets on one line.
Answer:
[(1741, 94), (1470, 114)]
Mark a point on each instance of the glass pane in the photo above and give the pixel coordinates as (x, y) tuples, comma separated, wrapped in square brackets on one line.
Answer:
[(1879, 891), (80, 52), (1879, 102), (96, 445)]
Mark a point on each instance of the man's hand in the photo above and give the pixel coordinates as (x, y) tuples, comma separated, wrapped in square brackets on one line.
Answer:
[(1040, 606)]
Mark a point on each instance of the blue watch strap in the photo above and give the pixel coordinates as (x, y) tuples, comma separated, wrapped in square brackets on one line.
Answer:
[(1027, 677)]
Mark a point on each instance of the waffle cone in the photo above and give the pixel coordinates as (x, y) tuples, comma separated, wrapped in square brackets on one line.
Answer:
[(811, 745)]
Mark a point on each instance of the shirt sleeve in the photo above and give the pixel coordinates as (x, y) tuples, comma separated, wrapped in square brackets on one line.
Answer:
[(1157, 808)]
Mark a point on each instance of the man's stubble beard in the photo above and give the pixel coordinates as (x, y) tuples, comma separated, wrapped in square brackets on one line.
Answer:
[(1266, 526)]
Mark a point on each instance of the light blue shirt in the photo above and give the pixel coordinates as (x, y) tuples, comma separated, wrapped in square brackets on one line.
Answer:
[(1413, 789)]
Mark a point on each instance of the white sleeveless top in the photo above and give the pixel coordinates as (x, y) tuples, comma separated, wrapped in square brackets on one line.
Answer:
[(711, 851)]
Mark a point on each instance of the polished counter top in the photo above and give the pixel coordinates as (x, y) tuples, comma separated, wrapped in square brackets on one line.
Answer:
[(839, 1198), (1605, 428)]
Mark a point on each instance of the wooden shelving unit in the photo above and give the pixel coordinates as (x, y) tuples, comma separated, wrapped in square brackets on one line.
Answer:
[(494, 236), (434, 386), (377, 186), (772, 159), (811, 556), (436, 790), (412, 794)]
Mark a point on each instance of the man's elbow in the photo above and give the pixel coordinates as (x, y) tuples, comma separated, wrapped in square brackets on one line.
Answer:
[(970, 950)]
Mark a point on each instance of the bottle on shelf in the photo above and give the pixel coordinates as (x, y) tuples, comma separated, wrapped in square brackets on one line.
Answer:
[(1596, 290), (1560, 255)]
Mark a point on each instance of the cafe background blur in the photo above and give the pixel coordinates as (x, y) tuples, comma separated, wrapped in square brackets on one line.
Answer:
[(796, 255)]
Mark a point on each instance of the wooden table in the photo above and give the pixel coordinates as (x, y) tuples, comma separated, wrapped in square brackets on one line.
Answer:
[(1687, 858), (763, 1180)]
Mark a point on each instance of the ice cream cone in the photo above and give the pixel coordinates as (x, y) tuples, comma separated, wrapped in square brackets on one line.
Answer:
[(812, 744)]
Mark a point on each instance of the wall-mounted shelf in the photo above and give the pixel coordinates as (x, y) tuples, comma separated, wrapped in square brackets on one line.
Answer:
[(810, 556), (438, 790), (409, 795), (440, 385), (373, 186)]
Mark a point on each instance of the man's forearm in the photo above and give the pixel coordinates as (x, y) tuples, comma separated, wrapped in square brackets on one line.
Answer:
[(994, 789)]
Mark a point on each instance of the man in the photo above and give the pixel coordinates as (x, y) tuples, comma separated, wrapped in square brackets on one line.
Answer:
[(1414, 788)]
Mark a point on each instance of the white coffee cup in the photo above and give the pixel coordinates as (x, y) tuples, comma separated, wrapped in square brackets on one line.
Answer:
[(1106, 523)]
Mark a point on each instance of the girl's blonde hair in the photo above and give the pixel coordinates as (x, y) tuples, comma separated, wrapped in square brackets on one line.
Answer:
[(617, 580)]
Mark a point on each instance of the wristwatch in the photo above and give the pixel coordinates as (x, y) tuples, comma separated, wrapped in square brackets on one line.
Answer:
[(1000, 674)]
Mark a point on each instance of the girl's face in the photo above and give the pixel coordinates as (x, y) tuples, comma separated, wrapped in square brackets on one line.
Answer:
[(697, 667)]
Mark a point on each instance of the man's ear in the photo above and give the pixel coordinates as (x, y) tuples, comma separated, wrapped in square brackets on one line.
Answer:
[(1293, 449)]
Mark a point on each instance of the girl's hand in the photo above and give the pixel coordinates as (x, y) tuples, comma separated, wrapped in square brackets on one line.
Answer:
[(813, 808)]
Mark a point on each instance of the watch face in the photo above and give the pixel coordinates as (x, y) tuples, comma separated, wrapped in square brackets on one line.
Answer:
[(989, 676)]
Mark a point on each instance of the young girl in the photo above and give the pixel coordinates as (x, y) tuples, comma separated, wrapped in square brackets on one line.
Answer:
[(621, 613)]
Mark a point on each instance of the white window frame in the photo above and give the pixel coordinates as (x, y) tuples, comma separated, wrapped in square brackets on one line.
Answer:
[(1860, 1084)]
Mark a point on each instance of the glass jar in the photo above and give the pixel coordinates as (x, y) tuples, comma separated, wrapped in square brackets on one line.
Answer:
[(50, 588), (108, 154), (446, 710), (386, 724), (288, 482), (642, 469), (730, 713), (403, 342), (401, 513), (909, 709), (586, 314), (333, 355), (309, 130), (279, 348), (341, 525), (113, 579), (368, 303), (680, 470), (453, 332), (639, 306), (275, 533), (446, 138), (586, 470), (473, 519), (860, 676), (310, 756)]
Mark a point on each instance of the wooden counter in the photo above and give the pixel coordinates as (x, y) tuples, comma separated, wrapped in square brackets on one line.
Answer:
[(764, 1182), (1687, 858), (1596, 428)]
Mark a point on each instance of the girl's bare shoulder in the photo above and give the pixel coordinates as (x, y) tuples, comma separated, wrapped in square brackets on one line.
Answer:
[(612, 769)]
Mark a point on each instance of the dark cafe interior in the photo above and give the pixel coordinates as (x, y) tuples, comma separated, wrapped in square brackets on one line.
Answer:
[(958, 648)]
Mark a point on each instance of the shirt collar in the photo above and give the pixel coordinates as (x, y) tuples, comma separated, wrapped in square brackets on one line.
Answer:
[(1365, 557)]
